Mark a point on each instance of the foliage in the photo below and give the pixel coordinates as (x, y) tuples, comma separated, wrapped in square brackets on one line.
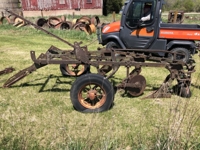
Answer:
[(184, 5), (112, 6), (189, 5)]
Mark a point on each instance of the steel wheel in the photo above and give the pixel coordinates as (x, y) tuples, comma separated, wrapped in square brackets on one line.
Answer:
[(92, 93), (92, 96), (73, 69)]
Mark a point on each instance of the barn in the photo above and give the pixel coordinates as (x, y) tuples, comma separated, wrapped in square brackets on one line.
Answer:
[(32, 8)]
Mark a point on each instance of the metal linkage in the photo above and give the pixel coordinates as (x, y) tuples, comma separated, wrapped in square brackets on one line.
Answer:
[(108, 61), (134, 83), (20, 75)]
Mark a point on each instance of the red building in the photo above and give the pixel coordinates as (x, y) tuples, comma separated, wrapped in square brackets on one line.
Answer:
[(61, 7)]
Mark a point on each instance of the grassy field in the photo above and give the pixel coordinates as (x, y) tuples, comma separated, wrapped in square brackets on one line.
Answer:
[(36, 112)]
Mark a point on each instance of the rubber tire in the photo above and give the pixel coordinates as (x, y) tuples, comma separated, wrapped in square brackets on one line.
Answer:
[(182, 51), (112, 44), (65, 73), (82, 81)]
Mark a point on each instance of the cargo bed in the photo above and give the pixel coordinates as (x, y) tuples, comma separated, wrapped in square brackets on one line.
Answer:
[(179, 31)]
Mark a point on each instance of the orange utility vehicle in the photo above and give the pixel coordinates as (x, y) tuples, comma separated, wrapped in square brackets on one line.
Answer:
[(133, 33)]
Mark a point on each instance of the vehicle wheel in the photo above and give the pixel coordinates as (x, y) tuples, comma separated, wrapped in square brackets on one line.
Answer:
[(92, 93), (185, 57), (112, 44), (74, 69)]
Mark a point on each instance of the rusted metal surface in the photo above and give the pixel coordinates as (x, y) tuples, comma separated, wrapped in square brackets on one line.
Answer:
[(10, 19), (19, 22), (42, 29), (72, 69), (60, 4), (95, 20), (176, 17), (7, 70), (93, 96), (82, 27), (85, 24), (23, 73), (134, 83)]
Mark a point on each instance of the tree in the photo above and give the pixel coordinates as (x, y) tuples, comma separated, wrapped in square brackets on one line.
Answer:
[(105, 12), (111, 5), (184, 5), (189, 5)]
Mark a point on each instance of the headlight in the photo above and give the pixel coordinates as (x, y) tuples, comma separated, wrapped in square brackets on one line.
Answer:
[(105, 29)]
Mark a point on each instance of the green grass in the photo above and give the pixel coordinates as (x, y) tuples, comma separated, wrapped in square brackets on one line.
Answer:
[(37, 113)]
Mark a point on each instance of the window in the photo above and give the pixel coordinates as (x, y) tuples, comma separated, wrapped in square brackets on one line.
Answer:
[(88, 1), (137, 12), (61, 1)]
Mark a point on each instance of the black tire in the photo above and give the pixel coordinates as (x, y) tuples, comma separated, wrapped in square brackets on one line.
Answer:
[(92, 93), (112, 44), (67, 71), (185, 57)]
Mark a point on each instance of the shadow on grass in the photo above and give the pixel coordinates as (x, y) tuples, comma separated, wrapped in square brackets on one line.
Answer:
[(195, 86), (125, 93), (44, 84), (115, 81)]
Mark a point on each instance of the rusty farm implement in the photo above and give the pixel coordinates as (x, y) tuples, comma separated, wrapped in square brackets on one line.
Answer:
[(94, 92)]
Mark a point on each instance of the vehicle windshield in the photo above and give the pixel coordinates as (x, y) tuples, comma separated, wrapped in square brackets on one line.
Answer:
[(140, 11)]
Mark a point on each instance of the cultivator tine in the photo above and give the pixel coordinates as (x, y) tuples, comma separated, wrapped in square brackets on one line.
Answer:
[(163, 91), (20, 75)]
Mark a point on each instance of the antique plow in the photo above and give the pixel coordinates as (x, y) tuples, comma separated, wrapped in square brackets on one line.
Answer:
[(94, 92)]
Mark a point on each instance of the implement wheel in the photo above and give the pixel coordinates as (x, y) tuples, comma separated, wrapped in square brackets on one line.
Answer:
[(92, 93), (74, 69)]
